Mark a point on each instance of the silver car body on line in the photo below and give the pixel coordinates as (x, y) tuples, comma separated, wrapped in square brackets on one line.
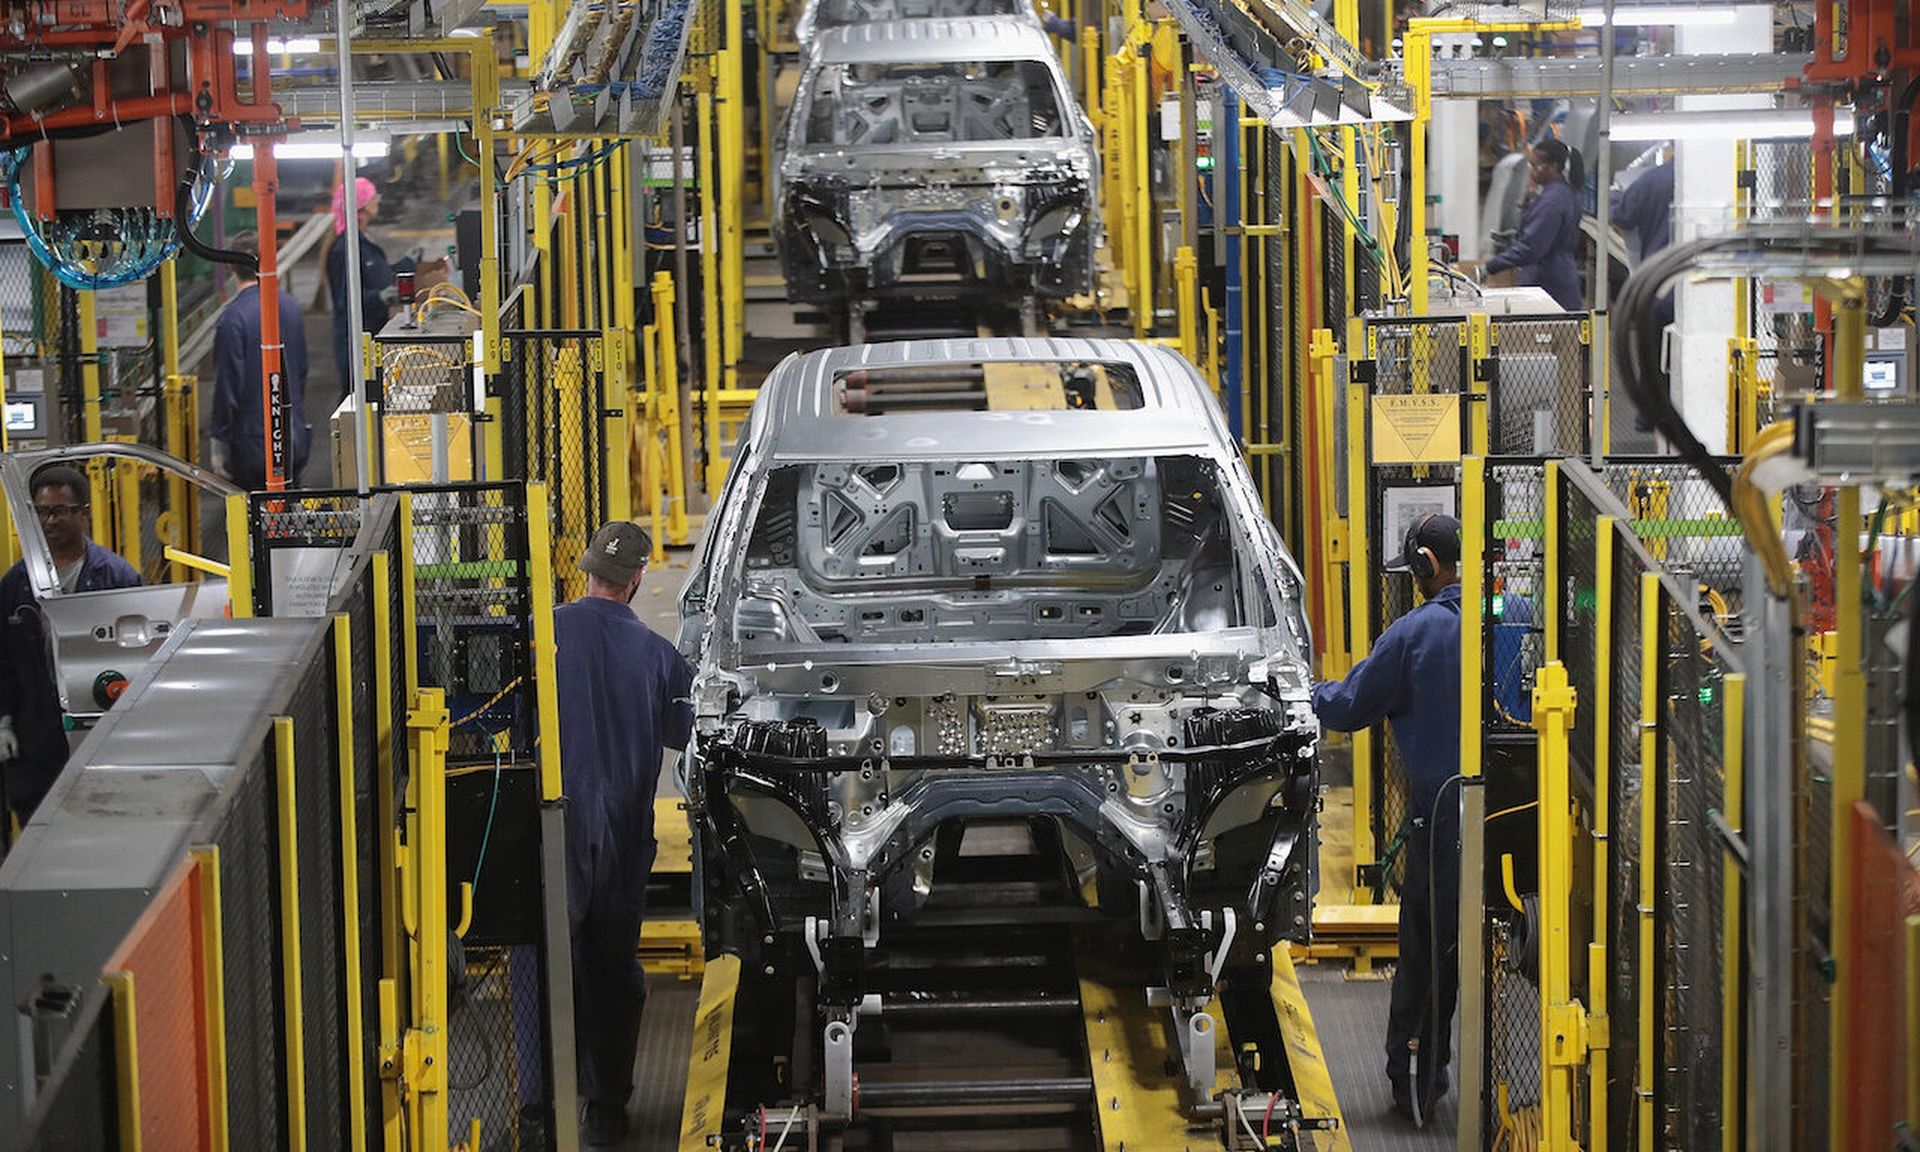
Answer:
[(997, 579), (936, 158), (826, 15)]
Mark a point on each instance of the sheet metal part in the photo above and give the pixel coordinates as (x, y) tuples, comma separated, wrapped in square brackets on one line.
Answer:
[(610, 72), (1244, 42), (1521, 77)]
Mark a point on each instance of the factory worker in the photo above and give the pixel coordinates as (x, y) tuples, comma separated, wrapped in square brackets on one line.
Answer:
[(1411, 679), (377, 291), (33, 736), (625, 708), (1543, 251), (239, 430)]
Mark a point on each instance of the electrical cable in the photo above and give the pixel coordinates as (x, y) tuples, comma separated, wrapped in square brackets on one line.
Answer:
[(1637, 337), (1266, 1121), (1433, 951), (486, 831), (781, 1141)]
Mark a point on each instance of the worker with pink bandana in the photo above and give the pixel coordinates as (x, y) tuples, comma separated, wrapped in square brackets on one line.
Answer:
[(377, 292)]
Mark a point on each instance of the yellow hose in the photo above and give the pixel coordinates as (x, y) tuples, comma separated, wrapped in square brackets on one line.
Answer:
[(1756, 518)]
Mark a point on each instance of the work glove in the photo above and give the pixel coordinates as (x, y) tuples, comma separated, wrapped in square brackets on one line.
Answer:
[(217, 457), (9, 743), (390, 295)]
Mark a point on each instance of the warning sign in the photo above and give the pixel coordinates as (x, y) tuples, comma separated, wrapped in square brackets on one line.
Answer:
[(1416, 429)]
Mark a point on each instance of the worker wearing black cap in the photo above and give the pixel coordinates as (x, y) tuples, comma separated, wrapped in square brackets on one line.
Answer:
[(1411, 679), (625, 706)]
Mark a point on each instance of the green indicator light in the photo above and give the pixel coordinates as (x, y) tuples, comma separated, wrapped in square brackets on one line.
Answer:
[(1204, 163), (1499, 606)]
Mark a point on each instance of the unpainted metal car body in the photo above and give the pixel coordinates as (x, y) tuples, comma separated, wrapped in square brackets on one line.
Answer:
[(958, 581), (825, 15), (936, 159)]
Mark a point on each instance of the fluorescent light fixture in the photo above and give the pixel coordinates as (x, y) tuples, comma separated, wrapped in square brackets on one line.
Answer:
[(1731, 124), (300, 46), (320, 146), (1658, 15)]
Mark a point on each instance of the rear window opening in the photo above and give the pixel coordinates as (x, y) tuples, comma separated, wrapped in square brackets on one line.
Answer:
[(874, 105), (1001, 386)]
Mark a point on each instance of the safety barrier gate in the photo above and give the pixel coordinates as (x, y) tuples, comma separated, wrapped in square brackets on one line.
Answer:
[(1602, 712), (1419, 393), (360, 953)]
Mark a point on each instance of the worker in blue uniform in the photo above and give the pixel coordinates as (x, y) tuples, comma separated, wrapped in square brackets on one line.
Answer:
[(625, 707), (1543, 250), (1411, 679), (33, 734), (239, 434)]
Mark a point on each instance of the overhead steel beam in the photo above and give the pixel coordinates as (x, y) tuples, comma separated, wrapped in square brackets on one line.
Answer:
[(1523, 77)]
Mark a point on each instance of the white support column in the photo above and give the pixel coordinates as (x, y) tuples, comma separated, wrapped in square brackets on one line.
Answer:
[(1453, 139), (1703, 196)]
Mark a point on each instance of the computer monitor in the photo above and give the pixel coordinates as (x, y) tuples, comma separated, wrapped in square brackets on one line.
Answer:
[(1885, 373), (26, 416)]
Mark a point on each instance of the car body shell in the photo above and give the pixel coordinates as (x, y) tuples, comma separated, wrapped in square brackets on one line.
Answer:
[(883, 216), (1178, 761)]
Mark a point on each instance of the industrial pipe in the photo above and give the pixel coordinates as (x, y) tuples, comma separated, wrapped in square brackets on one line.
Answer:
[(976, 1093)]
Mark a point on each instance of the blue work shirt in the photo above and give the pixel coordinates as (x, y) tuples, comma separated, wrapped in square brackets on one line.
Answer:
[(1645, 208), (376, 276), (625, 697), (1411, 679), (236, 387), (1543, 250)]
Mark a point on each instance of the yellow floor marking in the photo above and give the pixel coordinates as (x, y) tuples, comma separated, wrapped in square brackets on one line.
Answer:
[(675, 837), (672, 948), (1310, 1077), (1336, 847), (706, 1099), (1137, 1102)]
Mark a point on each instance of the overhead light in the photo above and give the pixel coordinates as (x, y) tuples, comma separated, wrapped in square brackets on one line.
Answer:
[(302, 46), (1730, 124), (1660, 15), (320, 146)]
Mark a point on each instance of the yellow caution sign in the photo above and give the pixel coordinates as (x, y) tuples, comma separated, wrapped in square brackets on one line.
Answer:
[(1421, 429), (706, 1100)]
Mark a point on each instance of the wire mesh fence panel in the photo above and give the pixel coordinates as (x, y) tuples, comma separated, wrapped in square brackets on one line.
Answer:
[(1538, 399), (1683, 524), (427, 432), (250, 963), (473, 599), (553, 401), (1515, 633), (1333, 265), (473, 602), (301, 543), (1624, 845), (316, 797), (1408, 358), (1578, 600), (1513, 1083), (1885, 673), (1692, 882)]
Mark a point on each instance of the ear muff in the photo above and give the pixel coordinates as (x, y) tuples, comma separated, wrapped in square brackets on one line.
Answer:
[(1421, 562)]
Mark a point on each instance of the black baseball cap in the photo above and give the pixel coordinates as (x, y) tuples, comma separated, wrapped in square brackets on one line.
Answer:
[(616, 552), (1438, 533)]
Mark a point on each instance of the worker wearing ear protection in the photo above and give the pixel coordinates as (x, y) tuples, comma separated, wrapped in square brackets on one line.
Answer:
[(1411, 679)]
